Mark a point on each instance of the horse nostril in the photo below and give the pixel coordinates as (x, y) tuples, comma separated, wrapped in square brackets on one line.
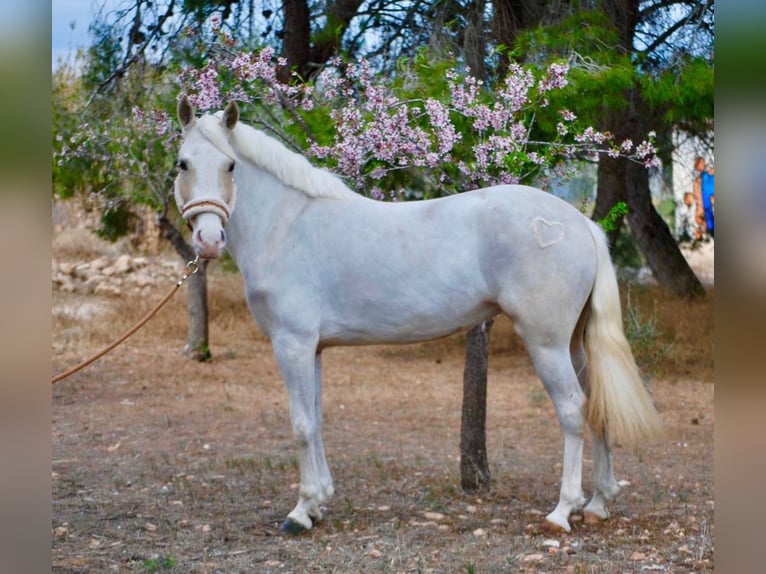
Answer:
[(223, 236)]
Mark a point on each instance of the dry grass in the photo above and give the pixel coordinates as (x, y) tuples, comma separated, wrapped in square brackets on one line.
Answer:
[(165, 465)]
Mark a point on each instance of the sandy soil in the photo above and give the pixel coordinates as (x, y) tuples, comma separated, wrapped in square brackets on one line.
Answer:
[(161, 464)]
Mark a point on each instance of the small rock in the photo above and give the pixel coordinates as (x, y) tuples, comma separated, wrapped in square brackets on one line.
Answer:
[(550, 542), (434, 516), (374, 553), (107, 289), (123, 264), (141, 279), (150, 527), (533, 558), (638, 556), (82, 270), (479, 532), (100, 263)]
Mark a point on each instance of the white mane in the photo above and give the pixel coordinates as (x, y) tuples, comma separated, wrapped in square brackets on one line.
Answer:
[(269, 154)]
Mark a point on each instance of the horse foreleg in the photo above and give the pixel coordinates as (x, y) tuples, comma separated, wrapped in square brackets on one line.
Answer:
[(299, 364), (325, 477)]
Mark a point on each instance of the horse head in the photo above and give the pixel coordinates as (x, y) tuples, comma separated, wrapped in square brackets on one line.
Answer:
[(205, 191)]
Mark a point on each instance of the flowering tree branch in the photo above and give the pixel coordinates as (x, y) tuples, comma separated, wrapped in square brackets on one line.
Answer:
[(462, 137)]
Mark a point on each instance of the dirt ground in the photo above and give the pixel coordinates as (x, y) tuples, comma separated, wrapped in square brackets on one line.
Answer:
[(161, 464)]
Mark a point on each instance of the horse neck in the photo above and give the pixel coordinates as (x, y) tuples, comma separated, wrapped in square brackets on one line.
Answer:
[(263, 204)]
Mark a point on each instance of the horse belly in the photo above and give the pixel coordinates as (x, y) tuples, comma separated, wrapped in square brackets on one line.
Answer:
[(398, 317)]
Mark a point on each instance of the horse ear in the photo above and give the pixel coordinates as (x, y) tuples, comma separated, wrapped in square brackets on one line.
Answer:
[(185, 112), (230, 115)]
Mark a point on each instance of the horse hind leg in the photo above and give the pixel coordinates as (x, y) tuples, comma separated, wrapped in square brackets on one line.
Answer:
[(554, 367), (605, 487)]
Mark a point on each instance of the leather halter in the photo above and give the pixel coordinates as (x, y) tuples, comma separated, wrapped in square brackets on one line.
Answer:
[(208, 205)]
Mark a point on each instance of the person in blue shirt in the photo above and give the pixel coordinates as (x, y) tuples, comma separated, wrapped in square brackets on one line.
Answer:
[(704, 196), (707, 186)]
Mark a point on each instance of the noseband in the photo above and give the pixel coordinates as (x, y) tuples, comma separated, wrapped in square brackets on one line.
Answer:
[(209, 205)]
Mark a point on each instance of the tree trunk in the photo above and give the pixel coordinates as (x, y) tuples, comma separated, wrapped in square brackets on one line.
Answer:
[(306, 53), (610, 190), (474, 42), (654, 239), (296, 43), (474, 469), (197, 341), (621, 179)]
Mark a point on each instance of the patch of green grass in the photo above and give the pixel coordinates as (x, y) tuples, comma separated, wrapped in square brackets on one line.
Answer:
[(159, 564), (242, 464), (645, 338)]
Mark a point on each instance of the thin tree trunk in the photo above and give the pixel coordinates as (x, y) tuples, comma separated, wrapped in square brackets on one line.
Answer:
[(474, 468), (197, 341)]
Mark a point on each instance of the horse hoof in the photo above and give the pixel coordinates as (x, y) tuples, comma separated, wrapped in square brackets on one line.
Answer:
[(592, 518), (554, 528), (292, 527)]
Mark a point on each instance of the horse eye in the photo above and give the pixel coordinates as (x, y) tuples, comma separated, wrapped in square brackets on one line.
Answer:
[(182, 165), (231, 167)]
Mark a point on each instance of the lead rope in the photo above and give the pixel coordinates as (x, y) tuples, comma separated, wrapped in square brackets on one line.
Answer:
[(191, 268)]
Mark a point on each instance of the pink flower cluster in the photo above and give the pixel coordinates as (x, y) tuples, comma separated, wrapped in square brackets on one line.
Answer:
[(379, 132), (244, 76)]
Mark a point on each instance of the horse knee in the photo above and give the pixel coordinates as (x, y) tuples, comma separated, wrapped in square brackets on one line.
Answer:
[(571, 414)]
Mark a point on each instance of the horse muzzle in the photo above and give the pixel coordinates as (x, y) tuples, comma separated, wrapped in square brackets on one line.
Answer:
[(208, 235), (209, 217)]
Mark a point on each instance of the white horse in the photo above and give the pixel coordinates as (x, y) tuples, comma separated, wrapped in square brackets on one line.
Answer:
[(324, 266)]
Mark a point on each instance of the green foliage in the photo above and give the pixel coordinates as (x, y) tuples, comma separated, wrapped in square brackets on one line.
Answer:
[(115, 220), (684, 92), (107, 149), (103, 55), (600, 72), (159, 564), (615, 213)]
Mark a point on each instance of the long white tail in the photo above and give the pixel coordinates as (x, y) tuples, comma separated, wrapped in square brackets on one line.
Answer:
[(619, 404)]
